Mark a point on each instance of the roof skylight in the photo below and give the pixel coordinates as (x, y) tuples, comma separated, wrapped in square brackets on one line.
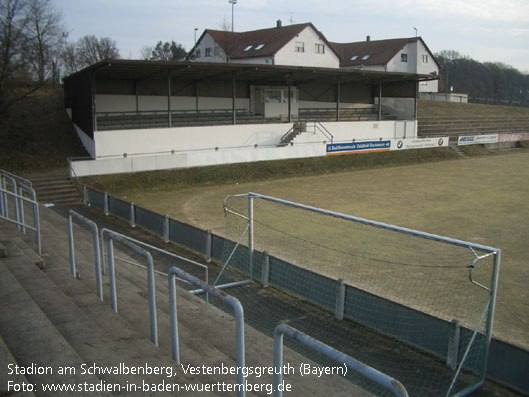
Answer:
[(259, 47), (366, 57), (354, 57), (248, 48)]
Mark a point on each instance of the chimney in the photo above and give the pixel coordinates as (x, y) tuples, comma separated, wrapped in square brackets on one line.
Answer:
[(368, 38), (278, 23)]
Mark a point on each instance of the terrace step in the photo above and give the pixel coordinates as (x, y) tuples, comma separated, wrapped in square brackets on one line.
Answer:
[(55, 187)]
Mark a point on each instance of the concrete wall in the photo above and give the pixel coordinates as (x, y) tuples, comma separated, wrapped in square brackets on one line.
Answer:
[(157, 140)]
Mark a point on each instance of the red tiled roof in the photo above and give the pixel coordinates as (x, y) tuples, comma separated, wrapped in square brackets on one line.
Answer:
[(380, 51), (263, 42)]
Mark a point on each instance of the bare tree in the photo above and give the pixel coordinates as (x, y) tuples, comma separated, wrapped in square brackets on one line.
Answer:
[(12, 36), (46, 37), (90, 50)]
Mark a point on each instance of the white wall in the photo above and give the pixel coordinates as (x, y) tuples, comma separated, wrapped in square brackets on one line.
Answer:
[(208, 42), (359, 131), (288, 56), (157, 140)]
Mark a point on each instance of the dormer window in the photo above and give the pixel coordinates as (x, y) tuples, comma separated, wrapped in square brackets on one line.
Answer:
[(354, 57), (248, 48), (259, 47), (366, 57)]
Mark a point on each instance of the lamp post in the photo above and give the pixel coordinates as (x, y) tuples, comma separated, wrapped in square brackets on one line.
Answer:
[(232, 2)]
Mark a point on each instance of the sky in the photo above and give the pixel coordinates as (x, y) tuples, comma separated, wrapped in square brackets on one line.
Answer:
[(485, 30)]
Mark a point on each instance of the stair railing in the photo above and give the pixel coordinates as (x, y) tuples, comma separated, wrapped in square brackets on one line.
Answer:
[(16, 193)]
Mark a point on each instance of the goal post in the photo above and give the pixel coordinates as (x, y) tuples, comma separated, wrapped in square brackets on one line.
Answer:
[(432, 293)]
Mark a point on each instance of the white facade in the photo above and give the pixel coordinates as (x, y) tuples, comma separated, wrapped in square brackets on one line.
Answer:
[(414, 57), (306, 49), (208, 50)]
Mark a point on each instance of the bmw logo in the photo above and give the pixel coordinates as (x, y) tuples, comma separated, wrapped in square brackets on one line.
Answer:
[(440, 142), (400, 144)]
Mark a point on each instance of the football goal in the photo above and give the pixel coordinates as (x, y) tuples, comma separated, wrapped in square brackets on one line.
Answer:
[(430, 297)]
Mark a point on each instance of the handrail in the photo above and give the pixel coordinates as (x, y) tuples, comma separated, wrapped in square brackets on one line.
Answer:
[(18, 201), (376, 376), (24, 181), (233, 302), (321, 128), (189, 261), (97, 255), (150, 277)]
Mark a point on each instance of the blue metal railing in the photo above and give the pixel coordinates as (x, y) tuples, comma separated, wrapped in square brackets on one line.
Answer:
[(233, 302), (17, 194), (378, 377), (97, 255)]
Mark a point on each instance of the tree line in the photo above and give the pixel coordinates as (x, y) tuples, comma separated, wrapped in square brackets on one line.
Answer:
[(495, 81), (34, 49)]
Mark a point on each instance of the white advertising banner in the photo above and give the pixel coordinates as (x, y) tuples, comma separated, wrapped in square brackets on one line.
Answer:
[(419, 143), (477, 139)]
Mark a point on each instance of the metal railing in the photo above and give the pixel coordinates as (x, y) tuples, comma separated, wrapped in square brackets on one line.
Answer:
[(113, 236), (97, 255), (151, 247), (378, 377), (233, 302), (17, 194)]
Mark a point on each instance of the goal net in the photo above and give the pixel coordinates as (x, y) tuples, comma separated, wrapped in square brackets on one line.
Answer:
[(423, 302)]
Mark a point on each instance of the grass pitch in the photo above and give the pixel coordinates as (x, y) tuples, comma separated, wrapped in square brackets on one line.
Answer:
[(481, 199)]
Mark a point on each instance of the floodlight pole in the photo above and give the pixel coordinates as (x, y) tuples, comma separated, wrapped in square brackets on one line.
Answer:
[(232, 2)]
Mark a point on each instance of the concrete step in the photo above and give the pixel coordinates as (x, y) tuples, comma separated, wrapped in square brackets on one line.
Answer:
[(14, 384), (31, 338), (207, 334), (105, 343)]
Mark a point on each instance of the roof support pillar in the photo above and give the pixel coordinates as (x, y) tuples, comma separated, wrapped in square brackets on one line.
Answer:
[(338, 94), (289, 101), (169, 117), (94, 109), (234, 92), (379, 100), (195, 87), (415, 102), (136, 95)]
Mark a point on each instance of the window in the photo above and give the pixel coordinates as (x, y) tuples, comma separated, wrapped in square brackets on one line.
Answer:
[(299, 46), (259, 47), (216, 51), (248, 48), (207, 53), (319, 48), (273, 96), (404, 57), (198, 53), (354, 57), (365, 57), (424, 58)]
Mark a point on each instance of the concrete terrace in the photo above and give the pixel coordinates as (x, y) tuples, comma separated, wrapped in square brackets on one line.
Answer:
[(50, 319)]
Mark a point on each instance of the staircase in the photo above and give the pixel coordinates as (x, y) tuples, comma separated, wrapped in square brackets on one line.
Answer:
[(457, 149), (55, 187), (50, 320)]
